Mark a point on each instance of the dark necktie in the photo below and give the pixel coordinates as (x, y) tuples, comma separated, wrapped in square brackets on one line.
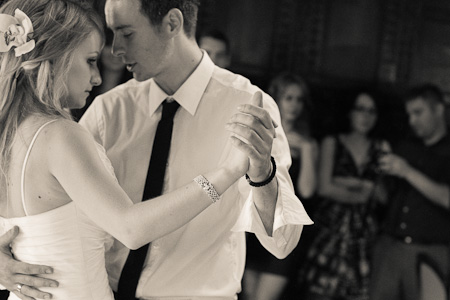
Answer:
[(153, 187)]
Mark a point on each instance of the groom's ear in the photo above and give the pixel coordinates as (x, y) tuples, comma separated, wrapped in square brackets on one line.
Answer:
[(172, 23)]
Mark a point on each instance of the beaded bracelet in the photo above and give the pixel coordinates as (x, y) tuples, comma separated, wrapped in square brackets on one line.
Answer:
[(207, 187), (268, 180)]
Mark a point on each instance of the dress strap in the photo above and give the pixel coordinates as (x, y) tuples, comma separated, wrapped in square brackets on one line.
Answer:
[(25, 164)]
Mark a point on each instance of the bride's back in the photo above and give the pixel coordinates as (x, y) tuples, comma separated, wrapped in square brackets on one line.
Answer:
[(28, 172), (53, 230)]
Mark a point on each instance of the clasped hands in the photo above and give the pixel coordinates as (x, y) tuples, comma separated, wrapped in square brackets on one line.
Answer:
[(253, 131)]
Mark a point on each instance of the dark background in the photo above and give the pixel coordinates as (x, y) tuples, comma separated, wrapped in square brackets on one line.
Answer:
[(336, 43), (339, 45)]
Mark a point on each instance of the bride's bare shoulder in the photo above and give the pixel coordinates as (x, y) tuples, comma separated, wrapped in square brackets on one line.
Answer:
[(63, 128), (56, 134)]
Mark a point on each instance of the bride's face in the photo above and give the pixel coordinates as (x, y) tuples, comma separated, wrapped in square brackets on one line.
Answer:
[(83, 73)]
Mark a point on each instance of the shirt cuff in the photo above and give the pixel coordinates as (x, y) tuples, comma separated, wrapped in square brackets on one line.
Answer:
[(288, 211)]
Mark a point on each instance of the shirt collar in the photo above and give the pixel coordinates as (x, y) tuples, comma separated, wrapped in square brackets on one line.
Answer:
[(190, 92)]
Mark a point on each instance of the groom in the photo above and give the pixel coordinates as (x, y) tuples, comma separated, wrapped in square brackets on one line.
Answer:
[(204, 259)]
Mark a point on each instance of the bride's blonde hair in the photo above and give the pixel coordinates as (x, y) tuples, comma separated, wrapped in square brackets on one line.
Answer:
[(36, 81)]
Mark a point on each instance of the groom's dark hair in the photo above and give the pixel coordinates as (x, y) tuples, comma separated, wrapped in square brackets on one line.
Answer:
[(155, 10)]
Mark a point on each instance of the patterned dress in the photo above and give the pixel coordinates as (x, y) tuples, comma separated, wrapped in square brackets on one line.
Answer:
[(338, 260)]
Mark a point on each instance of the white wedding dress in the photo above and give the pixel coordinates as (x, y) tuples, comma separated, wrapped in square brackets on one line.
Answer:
[(67, 240)]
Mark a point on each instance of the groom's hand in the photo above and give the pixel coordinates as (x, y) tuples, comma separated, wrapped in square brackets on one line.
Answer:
[(255, 131), (15, 274)]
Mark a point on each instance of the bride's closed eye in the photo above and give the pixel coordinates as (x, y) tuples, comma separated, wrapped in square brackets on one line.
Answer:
[(93, 61)]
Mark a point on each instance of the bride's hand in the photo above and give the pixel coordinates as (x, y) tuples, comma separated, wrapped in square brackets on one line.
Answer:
[(253, 132), (237, 162)]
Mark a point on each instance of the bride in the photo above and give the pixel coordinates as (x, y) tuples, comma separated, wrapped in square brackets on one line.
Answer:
[(57, 185)]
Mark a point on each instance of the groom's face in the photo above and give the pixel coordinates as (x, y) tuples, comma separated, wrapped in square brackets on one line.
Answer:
[(140, 44)]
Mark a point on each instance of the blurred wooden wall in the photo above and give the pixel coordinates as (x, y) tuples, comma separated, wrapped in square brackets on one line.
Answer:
[(388, 43)]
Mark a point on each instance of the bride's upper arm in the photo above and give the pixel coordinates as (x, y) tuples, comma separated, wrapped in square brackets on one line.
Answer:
[(71, 149), (75, 162)]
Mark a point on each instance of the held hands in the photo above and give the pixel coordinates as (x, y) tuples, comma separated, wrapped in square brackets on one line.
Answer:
[(236, 163), (253, 133), (14, 274)]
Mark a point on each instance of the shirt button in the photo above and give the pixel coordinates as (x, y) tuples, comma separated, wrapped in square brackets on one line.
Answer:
[(403, 226), (405, 209), (408, 240)]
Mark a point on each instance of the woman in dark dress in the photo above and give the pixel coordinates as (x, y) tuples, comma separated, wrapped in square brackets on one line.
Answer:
[(338, 261), (266, 276)]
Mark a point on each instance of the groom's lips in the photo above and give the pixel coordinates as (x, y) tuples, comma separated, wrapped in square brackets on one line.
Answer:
[(130, 67)]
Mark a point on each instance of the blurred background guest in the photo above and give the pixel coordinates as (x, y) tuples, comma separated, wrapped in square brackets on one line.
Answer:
[(266, 277), (338, 261), (417, 225), (294, 100), (217, 45)]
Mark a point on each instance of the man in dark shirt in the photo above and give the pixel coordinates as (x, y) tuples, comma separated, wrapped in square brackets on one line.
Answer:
[(417, 223)]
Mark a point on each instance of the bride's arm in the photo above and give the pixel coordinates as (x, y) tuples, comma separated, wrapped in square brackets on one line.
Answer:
[(74, 161)]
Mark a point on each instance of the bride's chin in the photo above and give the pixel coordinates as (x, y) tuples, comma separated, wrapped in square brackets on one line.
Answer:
[(70, 104)]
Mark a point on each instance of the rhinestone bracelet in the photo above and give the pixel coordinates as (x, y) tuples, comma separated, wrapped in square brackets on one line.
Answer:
[(207, 187)]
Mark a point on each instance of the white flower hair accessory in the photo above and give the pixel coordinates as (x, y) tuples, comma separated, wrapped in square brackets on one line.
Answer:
[(16, 32)]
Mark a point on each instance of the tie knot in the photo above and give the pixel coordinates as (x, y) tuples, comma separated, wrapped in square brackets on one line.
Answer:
[(169, 109)]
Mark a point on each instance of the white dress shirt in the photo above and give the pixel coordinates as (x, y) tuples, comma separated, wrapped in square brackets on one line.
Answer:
[(206, 257)]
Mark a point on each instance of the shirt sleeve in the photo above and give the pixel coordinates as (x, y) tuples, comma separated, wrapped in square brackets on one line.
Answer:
[(290, 215), (92, 120)]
